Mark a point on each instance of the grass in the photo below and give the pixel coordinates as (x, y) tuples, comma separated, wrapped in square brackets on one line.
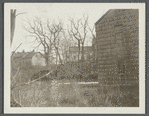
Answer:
[(54, 93), (57, 94)]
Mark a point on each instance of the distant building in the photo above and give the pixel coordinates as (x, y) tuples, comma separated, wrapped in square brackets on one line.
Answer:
[(116, 47), (74, 51), (29, 58)]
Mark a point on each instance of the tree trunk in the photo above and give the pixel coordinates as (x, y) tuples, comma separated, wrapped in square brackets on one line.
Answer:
[(79, 49), (56, 58), (47, 59), (82, 51), (13, 20), (63, 55), (66, 56), (58, 55)]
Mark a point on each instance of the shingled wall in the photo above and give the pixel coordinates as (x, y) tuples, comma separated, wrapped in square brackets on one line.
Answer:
[(117, 36)]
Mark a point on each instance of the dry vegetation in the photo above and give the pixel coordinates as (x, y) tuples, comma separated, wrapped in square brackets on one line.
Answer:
[(52, 91), (60, 87), (57, 94)]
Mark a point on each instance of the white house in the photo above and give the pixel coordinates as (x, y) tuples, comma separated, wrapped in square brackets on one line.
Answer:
[(31, 58), (73, 53)]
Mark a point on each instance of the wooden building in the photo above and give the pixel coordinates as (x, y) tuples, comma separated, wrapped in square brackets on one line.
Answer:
[(117, 48)]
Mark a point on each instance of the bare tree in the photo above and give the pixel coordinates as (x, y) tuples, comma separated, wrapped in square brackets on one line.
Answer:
[(93, 40), (58, 55), (13, 20), (55, 30), (79, 30), (13, 16), (45, 35), (66, 42)]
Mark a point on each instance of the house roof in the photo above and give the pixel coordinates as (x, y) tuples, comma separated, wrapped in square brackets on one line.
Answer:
[(26, 55), (29, 55), (76, 49), (108, 12), (19, 55)]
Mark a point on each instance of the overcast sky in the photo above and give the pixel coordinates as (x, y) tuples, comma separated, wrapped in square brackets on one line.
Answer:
[(58, 10), (52, 11)]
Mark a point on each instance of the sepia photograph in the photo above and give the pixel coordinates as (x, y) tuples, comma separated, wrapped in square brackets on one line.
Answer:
[(74, 58)]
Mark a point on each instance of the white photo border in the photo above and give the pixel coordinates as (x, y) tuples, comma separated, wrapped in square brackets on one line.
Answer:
[(77, 110)]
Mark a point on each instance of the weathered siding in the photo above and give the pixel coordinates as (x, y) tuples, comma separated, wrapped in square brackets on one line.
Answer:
[(117, 41)]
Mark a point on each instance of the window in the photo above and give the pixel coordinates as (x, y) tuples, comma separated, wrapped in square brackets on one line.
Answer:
[(74, 57)]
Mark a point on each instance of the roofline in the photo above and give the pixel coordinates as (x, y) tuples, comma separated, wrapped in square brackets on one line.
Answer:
[(104, 15), (24, 56), (33, 55)]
